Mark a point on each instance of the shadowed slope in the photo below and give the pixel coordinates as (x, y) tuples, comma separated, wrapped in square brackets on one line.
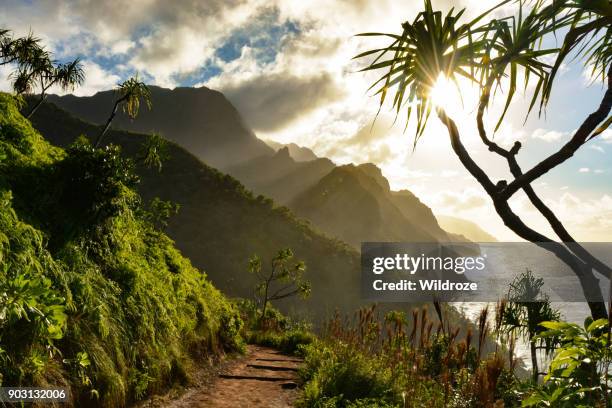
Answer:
[(199, 119), (220, 224)]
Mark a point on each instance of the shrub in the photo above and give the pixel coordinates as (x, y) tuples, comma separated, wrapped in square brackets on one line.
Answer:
[(579, 373)]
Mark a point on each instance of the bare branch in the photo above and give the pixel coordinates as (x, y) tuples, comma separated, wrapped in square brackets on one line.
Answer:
[(580, 137)]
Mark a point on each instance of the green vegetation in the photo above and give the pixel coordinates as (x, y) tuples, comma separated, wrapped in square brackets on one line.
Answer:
[(92, 296), (283, 280), (221, 224), (35, 69), (129, 94), (579, 374), (273, 329), (527, 308), (389, 362)]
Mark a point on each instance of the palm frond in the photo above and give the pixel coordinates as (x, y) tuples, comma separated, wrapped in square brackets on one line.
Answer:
[(431, 45)]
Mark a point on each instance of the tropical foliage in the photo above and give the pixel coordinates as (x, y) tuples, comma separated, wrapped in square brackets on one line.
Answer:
[(129, 94), (93, 297), (35, 69), (526, 308), (580, 372)]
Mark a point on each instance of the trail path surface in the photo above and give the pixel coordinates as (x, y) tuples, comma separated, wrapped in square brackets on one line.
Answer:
[(263, 378)]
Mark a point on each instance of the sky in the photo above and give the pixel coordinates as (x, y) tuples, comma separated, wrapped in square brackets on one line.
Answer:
[(287, 66)]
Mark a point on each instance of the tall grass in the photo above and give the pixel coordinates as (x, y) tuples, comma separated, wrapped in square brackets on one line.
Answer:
[(397, 360)]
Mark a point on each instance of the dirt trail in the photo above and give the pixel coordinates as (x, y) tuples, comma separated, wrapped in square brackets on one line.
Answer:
[(263, 378)]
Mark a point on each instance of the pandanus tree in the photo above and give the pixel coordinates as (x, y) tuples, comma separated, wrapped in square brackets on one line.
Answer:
[(492, 52), (35, 69), (45, 74), (17, 50), (129, 94)]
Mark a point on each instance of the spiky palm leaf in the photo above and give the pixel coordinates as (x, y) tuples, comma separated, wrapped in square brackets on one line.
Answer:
[(131, 92), (514, 44), (37, 67), (21, 50), (69, 75), (590, 35), (431, 45)]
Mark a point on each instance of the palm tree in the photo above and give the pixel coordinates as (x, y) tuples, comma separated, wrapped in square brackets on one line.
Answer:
[(154, 151), (19, 50), (67, 76), (129, 93), (31, 69), (486, 52)]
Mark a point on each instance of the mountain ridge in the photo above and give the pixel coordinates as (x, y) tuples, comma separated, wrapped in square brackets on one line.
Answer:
[(200, 119), (221, 224)]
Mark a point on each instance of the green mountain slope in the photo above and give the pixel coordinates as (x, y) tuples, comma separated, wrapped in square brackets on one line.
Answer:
[(355, 204), (220, 224), (199, 119), (207, 125), (92, 297)]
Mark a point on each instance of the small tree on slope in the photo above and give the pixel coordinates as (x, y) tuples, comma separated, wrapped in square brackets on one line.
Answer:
[(283, 279)]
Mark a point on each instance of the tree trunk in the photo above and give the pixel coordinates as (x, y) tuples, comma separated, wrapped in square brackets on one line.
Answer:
[(534, 361), (108, 122), (43, 96), (265, 303)]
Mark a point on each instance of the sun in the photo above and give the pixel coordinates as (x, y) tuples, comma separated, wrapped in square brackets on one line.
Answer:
[(444, 92)]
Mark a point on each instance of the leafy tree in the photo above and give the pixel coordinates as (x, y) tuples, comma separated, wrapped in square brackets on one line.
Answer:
[(35, 68), (283, 279), (129, 95), (528, 307), (67, 76), (487, 52), (17, 50), (160, 212), (579, 374), (154, 151)]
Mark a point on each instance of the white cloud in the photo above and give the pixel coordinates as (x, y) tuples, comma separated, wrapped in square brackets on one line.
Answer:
[(590, 219), (584, 170), (548, 135), (466, 200), (96, 79)]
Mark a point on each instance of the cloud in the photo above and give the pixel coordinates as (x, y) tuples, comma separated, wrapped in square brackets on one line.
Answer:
[(164, 39), (589, 219), (463, 201), (96, 79), (548, 135), (597, 148), (274, 101), (606, 136), (584, 170)]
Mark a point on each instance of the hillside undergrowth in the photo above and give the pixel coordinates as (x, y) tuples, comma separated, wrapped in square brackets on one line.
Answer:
[(92, 296)]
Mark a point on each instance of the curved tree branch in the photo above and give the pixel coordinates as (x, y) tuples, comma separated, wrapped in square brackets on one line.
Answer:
[(554, 222), (584, 273), (580, 137)]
